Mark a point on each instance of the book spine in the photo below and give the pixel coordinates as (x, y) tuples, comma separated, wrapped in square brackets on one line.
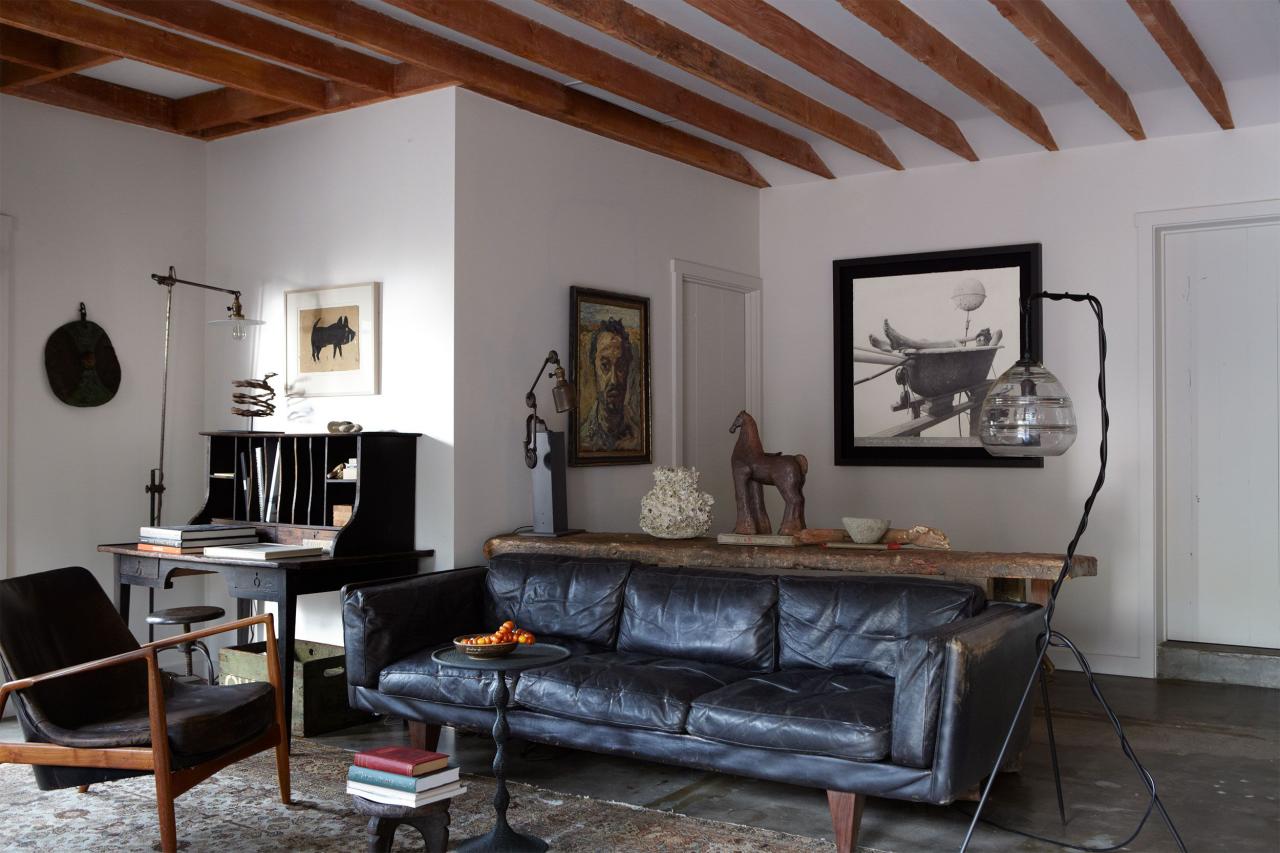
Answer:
[(382, 795), (382, 779), (386, 765)]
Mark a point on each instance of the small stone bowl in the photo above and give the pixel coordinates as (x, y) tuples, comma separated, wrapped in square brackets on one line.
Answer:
[(497, 650), (866, 531)]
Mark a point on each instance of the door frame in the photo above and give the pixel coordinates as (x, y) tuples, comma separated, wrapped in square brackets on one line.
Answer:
[(1153, 227), (685, 272)]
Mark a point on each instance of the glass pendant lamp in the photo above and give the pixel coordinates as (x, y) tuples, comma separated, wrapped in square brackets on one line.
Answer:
[(1027, 412)]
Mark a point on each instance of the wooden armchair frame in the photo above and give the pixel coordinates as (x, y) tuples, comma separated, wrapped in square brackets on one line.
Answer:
[(170, 783)]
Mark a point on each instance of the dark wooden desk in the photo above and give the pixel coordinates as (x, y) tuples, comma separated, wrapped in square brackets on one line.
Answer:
[(279, 581)]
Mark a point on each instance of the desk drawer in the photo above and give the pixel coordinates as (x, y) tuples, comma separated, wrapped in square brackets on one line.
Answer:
[(254, 583), (139, 567)]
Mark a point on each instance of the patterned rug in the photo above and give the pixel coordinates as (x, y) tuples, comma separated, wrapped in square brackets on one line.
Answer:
[(238, 811)]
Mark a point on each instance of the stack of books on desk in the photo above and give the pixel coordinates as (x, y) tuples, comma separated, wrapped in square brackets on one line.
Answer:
[(403, 776), (193, 538)]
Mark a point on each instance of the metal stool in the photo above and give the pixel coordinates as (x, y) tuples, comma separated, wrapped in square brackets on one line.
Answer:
[(186, 617)]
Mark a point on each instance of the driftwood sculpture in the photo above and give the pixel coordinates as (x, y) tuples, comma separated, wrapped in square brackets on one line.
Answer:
[(255, 402), (753, 469)]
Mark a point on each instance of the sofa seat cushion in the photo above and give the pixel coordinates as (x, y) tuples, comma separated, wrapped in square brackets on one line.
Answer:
[(201, 719), (624, 689), (842, 714), (417, 676), (701, 614)]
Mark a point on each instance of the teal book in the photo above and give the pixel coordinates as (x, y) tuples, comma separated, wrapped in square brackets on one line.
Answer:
[(396, 782)]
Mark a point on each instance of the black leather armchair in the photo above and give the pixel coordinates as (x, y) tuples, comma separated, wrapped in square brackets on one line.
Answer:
[(95, 706), (879, 686)]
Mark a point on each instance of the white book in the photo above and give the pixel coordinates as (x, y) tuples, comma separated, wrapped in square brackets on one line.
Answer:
[(197, 531), (261, 551), (403, 798)]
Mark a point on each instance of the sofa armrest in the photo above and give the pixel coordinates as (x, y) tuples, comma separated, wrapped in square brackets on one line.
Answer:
[(962, 674), (384, 622)]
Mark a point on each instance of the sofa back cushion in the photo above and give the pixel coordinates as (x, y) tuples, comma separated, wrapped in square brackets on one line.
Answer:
[(858, 623), (701, 614), (557, 596)]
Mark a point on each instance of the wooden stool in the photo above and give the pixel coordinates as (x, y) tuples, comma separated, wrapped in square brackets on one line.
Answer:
[(186, 617), (431, 820)]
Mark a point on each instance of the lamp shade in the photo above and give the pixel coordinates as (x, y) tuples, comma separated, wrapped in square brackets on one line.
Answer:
[(1027, 413)]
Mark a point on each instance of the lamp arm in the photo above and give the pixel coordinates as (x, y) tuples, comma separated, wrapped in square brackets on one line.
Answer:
[(171, 279), (529, 399), (532, 421)]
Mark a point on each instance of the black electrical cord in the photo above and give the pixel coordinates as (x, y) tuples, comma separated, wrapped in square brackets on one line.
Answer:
[(1057, 639)]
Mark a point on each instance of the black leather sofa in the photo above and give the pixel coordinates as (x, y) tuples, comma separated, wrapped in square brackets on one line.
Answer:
[(880, 686)]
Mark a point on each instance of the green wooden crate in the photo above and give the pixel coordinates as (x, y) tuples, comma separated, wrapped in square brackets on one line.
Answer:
[(319, 683)]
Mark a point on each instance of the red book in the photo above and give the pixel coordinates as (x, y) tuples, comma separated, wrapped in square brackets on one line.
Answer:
[(402, 760)]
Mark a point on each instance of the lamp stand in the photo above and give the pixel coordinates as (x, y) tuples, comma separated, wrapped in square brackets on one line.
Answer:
[(550, 514), (1050, 637)]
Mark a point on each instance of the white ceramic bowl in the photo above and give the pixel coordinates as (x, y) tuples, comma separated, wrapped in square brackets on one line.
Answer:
[(866, 531)]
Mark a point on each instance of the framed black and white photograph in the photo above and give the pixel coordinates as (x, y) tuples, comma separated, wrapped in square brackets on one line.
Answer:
[(918, 341), (609, 365), (331, 341)]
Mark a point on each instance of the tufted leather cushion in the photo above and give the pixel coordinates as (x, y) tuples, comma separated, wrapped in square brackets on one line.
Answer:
[(858, 623), (576, 599), (846, 715), (708, 615), (417, 676), (624, 689)]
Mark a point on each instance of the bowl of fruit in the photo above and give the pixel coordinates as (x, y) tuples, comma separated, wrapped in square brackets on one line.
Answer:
[(500, 643)]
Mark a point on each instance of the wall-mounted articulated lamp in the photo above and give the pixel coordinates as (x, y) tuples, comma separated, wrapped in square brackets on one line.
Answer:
[(544, 453), (238, 323)]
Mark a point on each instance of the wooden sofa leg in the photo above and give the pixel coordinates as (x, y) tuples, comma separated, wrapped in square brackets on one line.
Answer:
[(423, 735), (846, 816)]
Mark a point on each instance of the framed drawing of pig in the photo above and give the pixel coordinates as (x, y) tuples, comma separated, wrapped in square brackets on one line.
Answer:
[(331, 341)]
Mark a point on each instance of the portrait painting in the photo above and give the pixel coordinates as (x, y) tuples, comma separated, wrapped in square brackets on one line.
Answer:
[(609, 363), (331, 340), (919, 340)]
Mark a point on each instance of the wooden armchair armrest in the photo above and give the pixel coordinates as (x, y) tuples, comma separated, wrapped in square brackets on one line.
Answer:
[(190, 636)]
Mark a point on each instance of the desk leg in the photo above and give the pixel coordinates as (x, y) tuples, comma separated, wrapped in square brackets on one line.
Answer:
[(122, 595), (284, 636), (244, 609)]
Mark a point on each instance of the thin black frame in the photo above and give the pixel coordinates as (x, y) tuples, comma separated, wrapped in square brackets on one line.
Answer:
[(576, 295), (1025, 256)]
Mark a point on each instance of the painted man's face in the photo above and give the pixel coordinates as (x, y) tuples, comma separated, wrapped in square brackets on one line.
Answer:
[(612, 368)]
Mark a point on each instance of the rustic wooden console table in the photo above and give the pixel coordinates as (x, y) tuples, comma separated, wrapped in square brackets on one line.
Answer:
[(1001, 574)]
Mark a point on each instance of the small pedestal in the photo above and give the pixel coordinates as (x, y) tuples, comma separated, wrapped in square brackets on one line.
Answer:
[(431, 820)]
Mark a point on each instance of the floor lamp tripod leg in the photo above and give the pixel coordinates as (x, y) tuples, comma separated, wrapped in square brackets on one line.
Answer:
[(1053, 745), (1008, 738)]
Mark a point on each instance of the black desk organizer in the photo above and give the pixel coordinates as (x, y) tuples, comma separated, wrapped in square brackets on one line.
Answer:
[(381, 496)]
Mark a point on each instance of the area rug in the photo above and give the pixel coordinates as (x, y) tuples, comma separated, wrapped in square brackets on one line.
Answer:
[(238, 811)]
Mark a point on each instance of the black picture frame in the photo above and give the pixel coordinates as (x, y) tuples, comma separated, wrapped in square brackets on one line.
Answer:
[(1025, 257), (634, 449)]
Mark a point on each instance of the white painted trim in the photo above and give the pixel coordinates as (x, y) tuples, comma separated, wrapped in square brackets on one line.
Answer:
[(1152, 228), (752, 286), (6, 386)]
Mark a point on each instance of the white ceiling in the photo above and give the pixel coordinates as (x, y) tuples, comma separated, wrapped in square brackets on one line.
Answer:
[(1241, 39)]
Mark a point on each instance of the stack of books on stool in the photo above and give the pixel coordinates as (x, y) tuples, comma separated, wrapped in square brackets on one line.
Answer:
[(403, 776)]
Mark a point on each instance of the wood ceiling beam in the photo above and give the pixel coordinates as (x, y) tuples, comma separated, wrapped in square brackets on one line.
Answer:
[(676, 47), (221, 106), (508, 83), (913, 34), (1047, 32), (518, 35), (1170, 32), (100, 98), (771, 29), (31, 58), (68, 21), (264, 39)]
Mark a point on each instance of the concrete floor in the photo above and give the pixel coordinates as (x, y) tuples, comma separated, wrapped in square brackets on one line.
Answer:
[(1214, 751)]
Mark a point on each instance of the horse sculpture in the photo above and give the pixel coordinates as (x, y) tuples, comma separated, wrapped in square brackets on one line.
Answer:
[(753, 469)]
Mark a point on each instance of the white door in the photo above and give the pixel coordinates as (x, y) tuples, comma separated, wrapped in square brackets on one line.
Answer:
[(1222, 435), (718, 377)]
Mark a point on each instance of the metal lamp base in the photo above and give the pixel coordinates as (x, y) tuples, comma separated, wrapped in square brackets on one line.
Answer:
[(552, 534), (502, 839)]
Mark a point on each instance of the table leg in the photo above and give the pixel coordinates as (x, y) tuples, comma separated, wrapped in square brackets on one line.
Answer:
[(1038, 591), (284, 637), (244, 609), (151, 608), (122, 595), (502, 837)]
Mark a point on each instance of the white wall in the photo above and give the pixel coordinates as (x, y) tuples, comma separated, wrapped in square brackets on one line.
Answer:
[(365, 195), (97, 207), (542, 206), (1080, 205)]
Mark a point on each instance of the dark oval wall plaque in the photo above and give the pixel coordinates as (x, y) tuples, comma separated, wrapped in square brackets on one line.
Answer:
[(81, 363)]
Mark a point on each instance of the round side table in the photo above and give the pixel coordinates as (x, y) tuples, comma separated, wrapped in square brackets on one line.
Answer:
[(502, 837)]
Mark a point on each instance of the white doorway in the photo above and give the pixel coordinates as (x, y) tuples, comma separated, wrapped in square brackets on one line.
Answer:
[(1219, 287), (717, 369)]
